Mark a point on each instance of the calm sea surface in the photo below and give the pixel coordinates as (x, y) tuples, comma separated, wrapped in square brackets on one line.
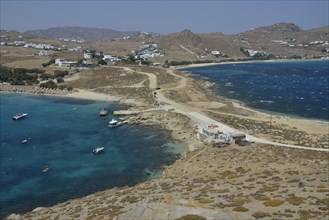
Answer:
[(293, 88), (63, 133)]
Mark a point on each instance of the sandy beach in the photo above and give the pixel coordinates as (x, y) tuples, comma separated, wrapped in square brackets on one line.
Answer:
[(267, 179), (239, 62)]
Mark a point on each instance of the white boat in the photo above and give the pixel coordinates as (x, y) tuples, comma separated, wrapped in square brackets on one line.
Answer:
[(103, 112), (114, 123), (45, 169), (19, 116), (98, 150), (26, 141)]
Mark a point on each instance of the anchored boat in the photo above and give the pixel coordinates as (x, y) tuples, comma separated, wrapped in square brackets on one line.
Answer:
[(103, 112), (114, 123), (19, 116), (98, 150)]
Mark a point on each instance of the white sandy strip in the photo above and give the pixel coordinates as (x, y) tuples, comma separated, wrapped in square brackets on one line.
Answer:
[(89, 95)]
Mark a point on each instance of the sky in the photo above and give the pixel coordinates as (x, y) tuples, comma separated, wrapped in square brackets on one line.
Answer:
[(164, 17)]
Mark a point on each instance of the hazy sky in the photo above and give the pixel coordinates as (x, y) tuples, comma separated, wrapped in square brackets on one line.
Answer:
[(163, 17)]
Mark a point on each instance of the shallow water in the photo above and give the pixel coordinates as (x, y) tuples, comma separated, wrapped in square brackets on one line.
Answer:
[(62, 134), (293, 88)]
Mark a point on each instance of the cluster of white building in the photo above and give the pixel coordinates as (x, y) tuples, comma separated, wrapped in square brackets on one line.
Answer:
[(72, 40), (319, 42), (106, 57), (29, 45), (75, 49), (254, 52), (110, 57), (149, 50), (289, 44)]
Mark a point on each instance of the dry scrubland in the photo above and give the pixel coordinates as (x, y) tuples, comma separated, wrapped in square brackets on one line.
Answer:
[(17, 57), (257, 181)]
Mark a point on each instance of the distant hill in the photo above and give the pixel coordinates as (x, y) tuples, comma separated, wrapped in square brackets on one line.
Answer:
[(280, 27), (282, 40), (90, 34)]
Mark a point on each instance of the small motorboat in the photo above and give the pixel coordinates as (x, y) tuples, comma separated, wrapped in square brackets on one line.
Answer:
[(26, 141), (114, 123), (103, 112), (45, 169), (19, 116), (98, 150)]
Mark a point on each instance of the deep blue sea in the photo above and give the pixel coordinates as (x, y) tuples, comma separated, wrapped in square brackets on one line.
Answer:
[(62, 133), (299, 89)]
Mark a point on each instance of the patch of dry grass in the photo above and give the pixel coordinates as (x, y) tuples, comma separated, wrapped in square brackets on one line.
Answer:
[(273, 202), (240, 209), (260, 214)]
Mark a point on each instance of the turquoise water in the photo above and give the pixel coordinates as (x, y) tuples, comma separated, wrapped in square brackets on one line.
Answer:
[(63, 133), (293, 88)]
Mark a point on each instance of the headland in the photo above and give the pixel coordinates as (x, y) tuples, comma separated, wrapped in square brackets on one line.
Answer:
[(281, 174)]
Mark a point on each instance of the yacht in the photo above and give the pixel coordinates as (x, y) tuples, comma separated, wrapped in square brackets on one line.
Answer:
[(98, 150), (19, 116), (114, 123)]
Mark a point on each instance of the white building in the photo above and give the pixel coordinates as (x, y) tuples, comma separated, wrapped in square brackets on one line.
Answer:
[(110, 58), (212, 134), (87, 56), (216, 53), (63, 63), (254, 52), (19, 43), (43, 53), (58, 62), (68, 64)]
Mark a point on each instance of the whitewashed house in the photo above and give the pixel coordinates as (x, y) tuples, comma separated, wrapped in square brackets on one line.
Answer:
[(43, 53), (216, 53), (212, 134), (87, 56), (68, 64), (59, 61), (110, 58), (63, 63)]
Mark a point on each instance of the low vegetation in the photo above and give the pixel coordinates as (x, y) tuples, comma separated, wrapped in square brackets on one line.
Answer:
[(22, 76), (191, 217), (19, 76)]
